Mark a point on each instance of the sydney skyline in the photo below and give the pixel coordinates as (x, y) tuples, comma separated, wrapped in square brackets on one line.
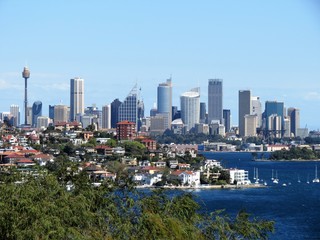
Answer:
[(271, 48)]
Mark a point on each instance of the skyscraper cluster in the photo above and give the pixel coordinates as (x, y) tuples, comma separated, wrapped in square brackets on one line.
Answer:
[(192, 116)]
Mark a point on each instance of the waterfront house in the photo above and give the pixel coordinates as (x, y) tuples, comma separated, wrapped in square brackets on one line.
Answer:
[(239, 176)]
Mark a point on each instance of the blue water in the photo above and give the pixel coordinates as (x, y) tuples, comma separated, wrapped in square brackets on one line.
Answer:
[(295, 208)]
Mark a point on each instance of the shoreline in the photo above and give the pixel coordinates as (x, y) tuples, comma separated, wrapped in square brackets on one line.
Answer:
[(286, 160), (228, 186)]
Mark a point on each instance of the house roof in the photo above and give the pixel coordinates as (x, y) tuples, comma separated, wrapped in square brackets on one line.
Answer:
[(25, 160)]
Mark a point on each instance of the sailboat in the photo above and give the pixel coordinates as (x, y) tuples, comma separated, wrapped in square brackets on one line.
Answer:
[(272, 178), (316, 179), (299, 179), (276, 180), (257, 176), (308, 179), (254, 173)]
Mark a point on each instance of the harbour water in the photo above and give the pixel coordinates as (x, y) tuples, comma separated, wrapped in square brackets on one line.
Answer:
[(295, 207)]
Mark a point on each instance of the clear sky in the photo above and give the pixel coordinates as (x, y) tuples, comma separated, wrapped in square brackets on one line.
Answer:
[(270, 47)]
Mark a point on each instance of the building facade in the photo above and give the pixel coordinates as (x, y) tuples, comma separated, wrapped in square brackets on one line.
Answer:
[(244, 109), (61, 113), (76, 97), (106, 116), (190, 108), (294, 114), (215, 101), (227, 119), (128, 109), (126, 130), (36, 112), (164, 100), (15, 113)]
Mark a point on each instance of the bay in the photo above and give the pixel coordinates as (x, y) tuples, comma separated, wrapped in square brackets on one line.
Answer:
[(295, 207)]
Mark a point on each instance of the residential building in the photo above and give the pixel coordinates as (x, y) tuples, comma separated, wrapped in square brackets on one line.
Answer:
[(239, 177), (126, 130), (215, 101)]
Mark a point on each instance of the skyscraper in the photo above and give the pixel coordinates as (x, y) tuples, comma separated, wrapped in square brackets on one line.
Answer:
[(115, 112), (60, 113), (215, 101), (256, 109), (203, 112), (294, 114), (15, 113), (273, 116), (36, 112), (76, 97), (128, 109), (190, 108), (164, 100), (244, 109), (227, 119), (106, 116)]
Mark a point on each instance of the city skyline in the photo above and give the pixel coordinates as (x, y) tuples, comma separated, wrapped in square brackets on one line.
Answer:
[(249, 45)]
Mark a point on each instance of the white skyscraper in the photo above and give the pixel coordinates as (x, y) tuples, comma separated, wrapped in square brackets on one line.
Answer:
[(76, 97), (15, 112), (190, 108), (106, 116)]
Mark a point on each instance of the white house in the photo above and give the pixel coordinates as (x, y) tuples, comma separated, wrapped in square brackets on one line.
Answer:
[(240, 176)]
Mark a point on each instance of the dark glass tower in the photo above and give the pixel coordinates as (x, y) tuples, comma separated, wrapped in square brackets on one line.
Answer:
[(36, 112)]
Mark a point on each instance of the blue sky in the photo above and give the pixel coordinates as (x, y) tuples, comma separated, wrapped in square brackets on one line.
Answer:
[(270, 47)]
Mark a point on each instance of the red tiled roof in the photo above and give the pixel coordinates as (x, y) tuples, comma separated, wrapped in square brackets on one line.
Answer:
[(125, 122), (25, 160)]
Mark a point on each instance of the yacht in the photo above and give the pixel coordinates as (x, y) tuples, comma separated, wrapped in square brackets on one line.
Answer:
[(316, 179), (276, 180)]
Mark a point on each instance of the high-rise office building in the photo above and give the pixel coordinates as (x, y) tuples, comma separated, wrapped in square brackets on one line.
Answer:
[(227, 119), (256, 109), (106, 116), (15, 113), (61, 113), (115, 112), (203, 112), (215, 101), (42, 122), (128, 110), (76, 97), (287, 127), (36, 112), (245, 108), (164, 100), (273, 126), (294, 114), (51, 112), (250, 125), (190, 108)]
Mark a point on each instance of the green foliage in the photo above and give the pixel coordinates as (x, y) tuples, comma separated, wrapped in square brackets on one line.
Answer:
[(41, 208), (134, 148), (294, 153)]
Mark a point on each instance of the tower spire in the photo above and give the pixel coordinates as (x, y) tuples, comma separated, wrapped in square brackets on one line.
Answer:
[(25, 75)]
